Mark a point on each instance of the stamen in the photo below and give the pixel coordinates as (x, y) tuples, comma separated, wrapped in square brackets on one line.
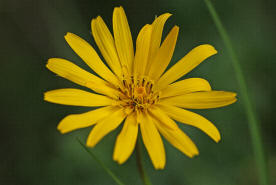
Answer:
[(124, 82), (143, 82), (137, 93)]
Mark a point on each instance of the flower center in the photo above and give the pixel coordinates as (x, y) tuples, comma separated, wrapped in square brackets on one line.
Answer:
[(137, 93)]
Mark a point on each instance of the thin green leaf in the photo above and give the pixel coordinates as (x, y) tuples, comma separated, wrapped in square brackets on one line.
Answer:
[(108, 171), (251, 114)]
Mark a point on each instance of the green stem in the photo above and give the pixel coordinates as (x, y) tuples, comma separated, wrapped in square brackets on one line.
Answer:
[(251, 114), (140, 167), (109, 172)]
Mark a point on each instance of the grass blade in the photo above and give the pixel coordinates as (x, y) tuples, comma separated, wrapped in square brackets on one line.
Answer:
[(250, 112), (108, 171)]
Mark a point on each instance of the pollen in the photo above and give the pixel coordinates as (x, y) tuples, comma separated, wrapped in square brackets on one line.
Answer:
[(137, 93), (140, 91)]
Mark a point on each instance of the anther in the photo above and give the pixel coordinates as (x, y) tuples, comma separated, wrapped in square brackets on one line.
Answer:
[(151, 86), (132, 79), (143, 82), (124, 82)]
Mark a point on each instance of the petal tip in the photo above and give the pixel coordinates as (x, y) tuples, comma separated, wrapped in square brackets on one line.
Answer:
[(214, 49), (218, 140), (175, 29), (61, 127), (116, 9), (117, 156), (93, 20), (118, 160), (48, 63), (159, 166), (61, 130), (208, 49), (45, 96), (165, 15), (67, 35), (196, 153), (90, 143)]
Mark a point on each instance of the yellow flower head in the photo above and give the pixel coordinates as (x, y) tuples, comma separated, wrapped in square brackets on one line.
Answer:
[(136, 90)]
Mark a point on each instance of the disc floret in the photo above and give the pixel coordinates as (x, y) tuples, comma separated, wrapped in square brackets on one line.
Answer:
[(137, 93)]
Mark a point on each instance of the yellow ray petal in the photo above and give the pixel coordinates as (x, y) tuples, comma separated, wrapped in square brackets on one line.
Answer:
[(186, 64), (76, 97), (178, 139), (157, 30), (123, 38), (72, 72), (106, 44), (105, 126), (202, 100), (192, 119), (152, 141), (163, 56), (142, 50), (126, 140), (77, 121), (89, 55), (185, 86), (164, 119)]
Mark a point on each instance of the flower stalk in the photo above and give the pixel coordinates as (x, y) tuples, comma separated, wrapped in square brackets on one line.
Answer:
[(140, 166)]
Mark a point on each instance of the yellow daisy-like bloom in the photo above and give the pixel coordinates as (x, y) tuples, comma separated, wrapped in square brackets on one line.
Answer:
[(136, 89)]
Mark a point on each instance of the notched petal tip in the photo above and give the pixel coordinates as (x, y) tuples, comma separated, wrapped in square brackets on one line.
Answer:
[(61, 129), (232, 97), (168, 14), (175, 28), (194, 155), (45, 96), (209, 48), (48, 61), (90, 143), (117, 8), (68, 34), (93, 21), (217, 139), (194, 152), (234, 100), (159, 167), (164, 16), (71, 36), (51, 62), (120, 161), (98, 18)]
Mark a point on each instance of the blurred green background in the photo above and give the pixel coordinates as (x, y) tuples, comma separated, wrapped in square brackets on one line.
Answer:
[(33, 152)]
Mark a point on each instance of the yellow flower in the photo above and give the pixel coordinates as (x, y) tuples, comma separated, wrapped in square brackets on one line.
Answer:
[(136, 89)]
